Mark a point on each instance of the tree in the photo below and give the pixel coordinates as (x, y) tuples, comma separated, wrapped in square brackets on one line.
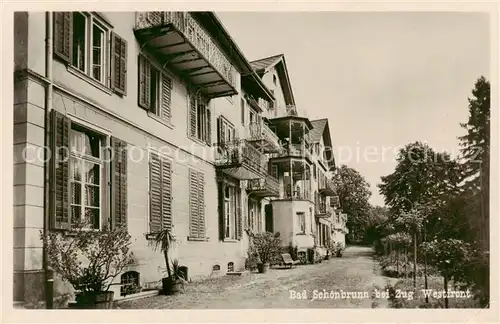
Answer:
[(475, 149), (354, 192)]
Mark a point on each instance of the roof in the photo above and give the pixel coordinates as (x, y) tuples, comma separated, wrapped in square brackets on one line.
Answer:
[(321, 130), (265, 63), (262, 66), (316, 133)]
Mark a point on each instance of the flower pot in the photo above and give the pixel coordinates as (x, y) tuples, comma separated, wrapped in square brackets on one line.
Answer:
[(94, 300), (171, 287), (263, 267)]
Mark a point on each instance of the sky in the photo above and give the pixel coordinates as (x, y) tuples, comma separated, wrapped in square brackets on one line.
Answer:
[(383, 79)]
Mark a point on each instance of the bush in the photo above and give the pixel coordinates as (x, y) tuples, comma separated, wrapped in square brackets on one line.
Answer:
[(267, 247), (293, 250)]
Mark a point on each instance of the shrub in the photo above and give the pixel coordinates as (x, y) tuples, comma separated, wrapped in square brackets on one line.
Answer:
[(293, 250), (88, 260), (267, 247)]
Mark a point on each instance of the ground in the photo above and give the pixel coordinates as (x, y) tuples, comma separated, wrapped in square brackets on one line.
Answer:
[(355, 271)]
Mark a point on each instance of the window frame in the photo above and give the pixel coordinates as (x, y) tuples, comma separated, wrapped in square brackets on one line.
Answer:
[(230, 221), (104, 169), (202, 129), (92, 20), (301, 217)]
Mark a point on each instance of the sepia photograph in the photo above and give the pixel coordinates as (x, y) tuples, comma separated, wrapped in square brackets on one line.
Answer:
[(252, 160)]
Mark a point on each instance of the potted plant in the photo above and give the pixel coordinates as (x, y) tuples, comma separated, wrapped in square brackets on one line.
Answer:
[(90, 261), (176, 279), (339, 249), (163, 241), (267, 245)]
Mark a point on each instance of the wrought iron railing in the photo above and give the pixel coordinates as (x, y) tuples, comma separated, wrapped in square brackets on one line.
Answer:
[(296, 193), (301, 150), (326, 183), (241, 152), (260, 131), (197, 36), (269, 183)]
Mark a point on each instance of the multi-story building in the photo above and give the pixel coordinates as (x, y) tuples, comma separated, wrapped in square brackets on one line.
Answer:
[(156, 120)]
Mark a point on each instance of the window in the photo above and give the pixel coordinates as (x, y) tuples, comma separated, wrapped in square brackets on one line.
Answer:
[(129, 282), (311, 219), (200, 120), (155, 90), (81, 171), (196, 204), (255, 221), (85, 177), (81, 40), (302, 221), (230, 267), (160, 193), (243, 111), (314, 170), (274, 79), (230, 212), (225, 131)]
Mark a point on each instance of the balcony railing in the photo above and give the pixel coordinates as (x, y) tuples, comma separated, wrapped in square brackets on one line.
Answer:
[(241, 160), (261, 132), (293, 150), (151, 27), (264, 187), (326, 186)]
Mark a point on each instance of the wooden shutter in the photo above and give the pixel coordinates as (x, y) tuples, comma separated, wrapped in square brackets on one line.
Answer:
[(59, 173), (166, 194), (201, 204), (192, 115), (118, 64), (63, 35), (119, 184), (222, 224), (155, 193), (239, 220), (209, 127), (144, 82), (194, 208), (166, 97)]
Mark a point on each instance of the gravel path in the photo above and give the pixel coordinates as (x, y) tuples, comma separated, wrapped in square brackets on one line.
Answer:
[(355, 271)]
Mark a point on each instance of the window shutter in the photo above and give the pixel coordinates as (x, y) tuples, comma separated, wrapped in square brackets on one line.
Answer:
[(222, 224), (118, 64), (239, 220), (193, 203), (155, 195), (192, 115), (144, 82), (119, 184), (201, 204), (60, 213), (166, 194), (63, 35), (209, 127), (166, 97)]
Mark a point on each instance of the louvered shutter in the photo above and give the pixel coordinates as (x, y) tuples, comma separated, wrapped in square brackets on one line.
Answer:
[(155, 193), (144, 82), (192, 115), (209, 127), (201, 204), (63, 35), (59, 175), (194, 208), (118, 64), (119, 184), (239, 220), (166, 97), (222, 224), (166, 194)]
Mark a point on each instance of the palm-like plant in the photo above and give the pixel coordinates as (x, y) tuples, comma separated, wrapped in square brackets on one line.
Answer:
[(163, 241)]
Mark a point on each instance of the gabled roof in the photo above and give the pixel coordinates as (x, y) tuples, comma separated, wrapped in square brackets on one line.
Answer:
[(263, 66), (320, 130)]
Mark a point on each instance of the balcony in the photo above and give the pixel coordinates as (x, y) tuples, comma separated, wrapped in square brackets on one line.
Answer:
[(263, 138), (299, 193), (322, 211), (182, 44), (326, 187), (264, 187), (293, 150), (241, 160)]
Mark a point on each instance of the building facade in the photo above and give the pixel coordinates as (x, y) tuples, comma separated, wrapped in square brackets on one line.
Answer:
[(156, 120)]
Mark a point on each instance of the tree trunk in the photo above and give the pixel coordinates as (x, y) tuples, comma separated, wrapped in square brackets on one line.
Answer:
[(415, 260), (165, 253), (446, 291)]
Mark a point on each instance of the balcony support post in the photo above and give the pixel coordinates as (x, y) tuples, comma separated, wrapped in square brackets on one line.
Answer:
[(292, 188)]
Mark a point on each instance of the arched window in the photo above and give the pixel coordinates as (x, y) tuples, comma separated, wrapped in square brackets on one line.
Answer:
[(216, 267), (129, 283), (230, 267)]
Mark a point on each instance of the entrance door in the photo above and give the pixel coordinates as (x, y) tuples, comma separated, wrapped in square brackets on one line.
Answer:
[(268, 209)]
